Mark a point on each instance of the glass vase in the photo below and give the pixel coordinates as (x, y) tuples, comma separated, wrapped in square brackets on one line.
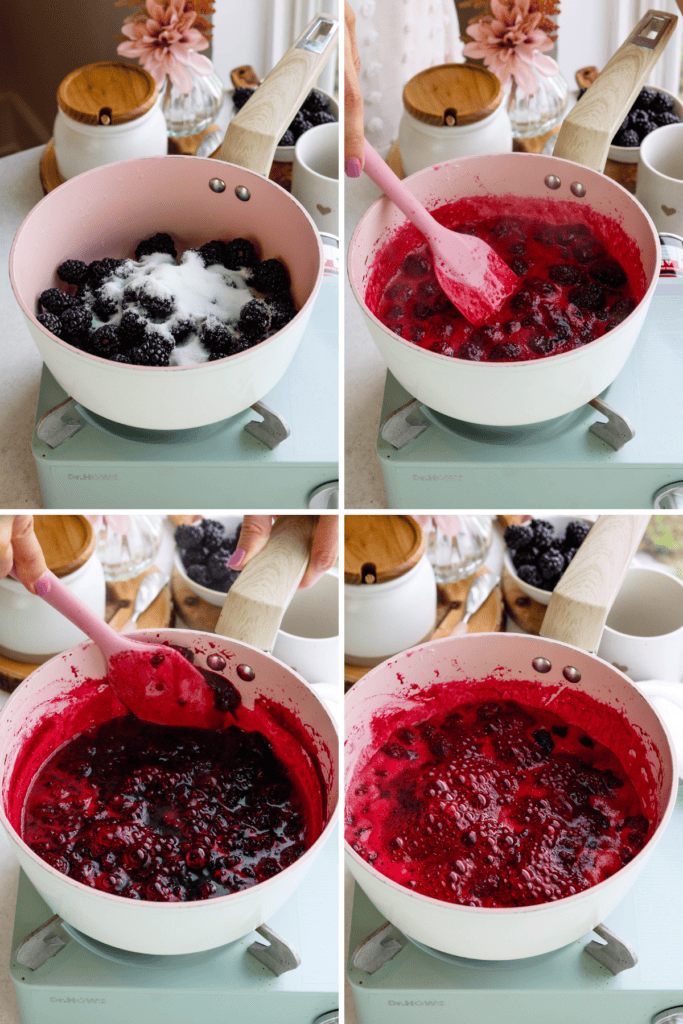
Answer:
[(537, 114), (188, 113), (458, 545), (126, 545)]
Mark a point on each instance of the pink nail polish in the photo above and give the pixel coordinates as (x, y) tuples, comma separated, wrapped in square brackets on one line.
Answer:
[(352, 167), (236, 558), (42, 587)]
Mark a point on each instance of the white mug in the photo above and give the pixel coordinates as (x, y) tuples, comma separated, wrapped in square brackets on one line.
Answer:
[(659, 186), (315, 175), (643, 636), (308, 638)]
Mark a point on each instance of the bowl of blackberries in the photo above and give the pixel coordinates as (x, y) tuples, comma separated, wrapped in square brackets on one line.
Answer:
[(201, 554), (652, 109), (318, 108), (539, 551)]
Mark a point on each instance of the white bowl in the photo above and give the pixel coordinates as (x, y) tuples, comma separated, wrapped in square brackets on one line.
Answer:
[(559, 524), (215, 597), (308, 638), (629, 154)]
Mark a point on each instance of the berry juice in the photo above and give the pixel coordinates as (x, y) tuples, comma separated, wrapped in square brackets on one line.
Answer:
[(572, 287), (494, 804)]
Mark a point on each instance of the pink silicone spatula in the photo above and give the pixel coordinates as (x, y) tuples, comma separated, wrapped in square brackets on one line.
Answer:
[(471, 273), (155, 682)]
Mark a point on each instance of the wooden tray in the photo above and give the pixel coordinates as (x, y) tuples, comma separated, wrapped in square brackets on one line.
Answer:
[(450, 609), (195, 612), (119, 607)]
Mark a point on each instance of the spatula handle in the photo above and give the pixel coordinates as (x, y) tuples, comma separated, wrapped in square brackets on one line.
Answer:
[(254, 132), (392, 186), (588, 128), (581, 600), (258, 598)]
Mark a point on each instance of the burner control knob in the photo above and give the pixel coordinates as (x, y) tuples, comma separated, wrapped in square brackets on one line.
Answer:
[(331, 1017), (325, 495), (670, 496), (671, 1016)]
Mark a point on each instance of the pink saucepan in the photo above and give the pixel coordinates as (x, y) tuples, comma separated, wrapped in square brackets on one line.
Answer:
[(562, 188), (70, 692), (555, 673), (106, 211)]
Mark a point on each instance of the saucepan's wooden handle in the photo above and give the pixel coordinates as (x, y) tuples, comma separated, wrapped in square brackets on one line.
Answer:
[(581, 600), (254, 132), (258, 598), (589, 127)]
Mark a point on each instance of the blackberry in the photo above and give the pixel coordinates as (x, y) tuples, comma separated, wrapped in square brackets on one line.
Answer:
[(530, 574), (471, 351), (666, 117), (416, 333), (563, 273), (299, 124), (131, 295), (213, 533), (287, 139), (512, 326), (51, 323), (644, 98), (271, 277), (402, 292), (421, 311), (181, 329), (281, 309), (544, 288), (322, 117), (240, 253), (569, 554), (504, 352), (532, 320), (121, 357), (567, 234), (527, 555), (104, 306), (232, 347), (198, 573), (519, 266), (76, 322), (544, 234), (609, 273), (524, 300), (628, 138), (161, 242), (443, 348), (72, 271), (587, 250), (315, 102), (622, 308), (105, 341), (544, 533), (241, 95), (443, 332), (506, 227), (254, 319), (189, 536), (541, 344), (640, 122), (131, 328), (213, 253), (215, 335), (157, 307), (576, 533), (544, 740), (416, 265), (99, 270), (216, 563), (152, 352), (550, 563), (518, 536), (558, 324), (661, 102), (54, 300), (587, 296), (517, 249)]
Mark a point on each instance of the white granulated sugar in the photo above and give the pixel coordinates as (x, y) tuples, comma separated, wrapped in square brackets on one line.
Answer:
[(189, 354)]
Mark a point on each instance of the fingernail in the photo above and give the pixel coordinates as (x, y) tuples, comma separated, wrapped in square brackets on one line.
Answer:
[(236, 558), (42, 587), (352, 167)]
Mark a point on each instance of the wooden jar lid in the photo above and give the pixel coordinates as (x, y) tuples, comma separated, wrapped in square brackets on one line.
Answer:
[(380, 548), (107, 93), (67, 542), (452, 94)]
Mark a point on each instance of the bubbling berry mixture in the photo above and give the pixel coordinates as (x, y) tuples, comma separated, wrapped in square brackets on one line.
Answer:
[(494, 804), (572, 289), (166, 813)]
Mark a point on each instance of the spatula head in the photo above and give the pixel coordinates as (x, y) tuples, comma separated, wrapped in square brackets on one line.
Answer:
[(472, 274)]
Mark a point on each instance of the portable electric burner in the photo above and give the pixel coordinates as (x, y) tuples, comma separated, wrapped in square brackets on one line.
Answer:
[(624, 450), (631, 972), (281, 452), (288, 972)]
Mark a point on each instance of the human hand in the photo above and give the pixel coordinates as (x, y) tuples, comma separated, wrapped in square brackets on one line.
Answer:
[(256, 531), (19, 547), (354, 140)]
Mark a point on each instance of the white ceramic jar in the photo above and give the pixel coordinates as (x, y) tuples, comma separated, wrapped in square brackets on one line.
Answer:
[(107, 112), (451, 111)]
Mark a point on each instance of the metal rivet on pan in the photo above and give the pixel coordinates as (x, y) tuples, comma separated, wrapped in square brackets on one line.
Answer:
[(552, 181), (217, 185), (541, 664), (245, 672), (216, 662), (572, 675), (243, 193), (577, 189)]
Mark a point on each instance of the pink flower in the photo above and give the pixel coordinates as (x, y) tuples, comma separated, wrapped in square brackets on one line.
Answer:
[(166, 43), (511, 44)]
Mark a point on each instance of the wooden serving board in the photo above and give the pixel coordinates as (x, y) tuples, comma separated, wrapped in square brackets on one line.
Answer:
[(451, 598), (527, 613), (192, 609), (119, 606)]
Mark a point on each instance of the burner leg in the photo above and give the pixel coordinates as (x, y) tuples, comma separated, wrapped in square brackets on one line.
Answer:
[(404, 425), (616, 955), (279, 957), (618, 430), (40, 945), (55, 427), (272, 431), (378, 949)]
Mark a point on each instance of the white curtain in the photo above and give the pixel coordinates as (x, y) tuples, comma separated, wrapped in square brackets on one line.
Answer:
[(396, 39)]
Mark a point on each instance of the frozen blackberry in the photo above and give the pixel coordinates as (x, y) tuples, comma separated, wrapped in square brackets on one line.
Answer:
[(567, 234), (105, 341), (524, 301), (281, 309), (131, 328), (213, 533), (241, 95), (666, 117), (505, 351), (471, 351), (530, 574), (54, 300), (550, 563), (628, 138), (315, 102), (557, 323), (104, 306), (76, 322), (213, 253), (152, 352), (508, 227), (231, 348), (544, 234), (421, 311), (322, 117), (198, 573), (576, 533), (661, 102), (131, 295), (519, 266), (287, 139), (544, 534), (443, 348), (189, 536), (240, 253), (416, 265), (518, 536), (215, 335), (271, 277), (51, 322), (541, 344), (542, 287), (609, 273), (121, 357), (622, 308), (254, 319), (587, 296), (72, 271), (161, 242), (100, 270), (564, 274), (157, 307), (181, 329), (587, 250)]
